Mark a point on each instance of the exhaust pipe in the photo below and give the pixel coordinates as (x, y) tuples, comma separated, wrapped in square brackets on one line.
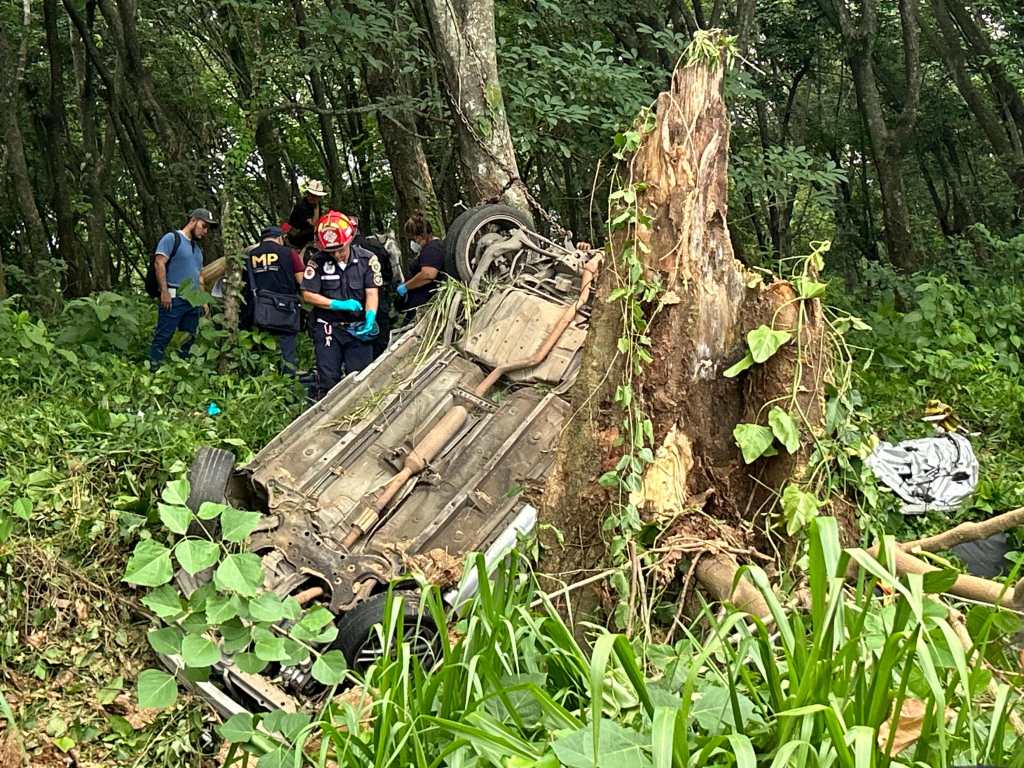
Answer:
[(432, 443)]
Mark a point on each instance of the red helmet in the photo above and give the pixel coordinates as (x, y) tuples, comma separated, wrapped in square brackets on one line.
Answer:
[(333, 231)]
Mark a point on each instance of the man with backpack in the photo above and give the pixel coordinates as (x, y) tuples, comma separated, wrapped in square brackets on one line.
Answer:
[(272, 276), (176, 264)]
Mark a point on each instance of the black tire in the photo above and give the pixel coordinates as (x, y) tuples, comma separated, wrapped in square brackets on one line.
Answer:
[(208, 479), (359, 641), (459, 262)]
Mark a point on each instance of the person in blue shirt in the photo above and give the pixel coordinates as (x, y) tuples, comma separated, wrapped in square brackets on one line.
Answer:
[(177, 263)]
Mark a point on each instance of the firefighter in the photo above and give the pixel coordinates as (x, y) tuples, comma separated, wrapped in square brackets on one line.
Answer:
[(341, 281)]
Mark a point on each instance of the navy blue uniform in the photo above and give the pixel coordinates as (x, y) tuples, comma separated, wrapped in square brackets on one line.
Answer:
[(374, 246), (431, 255), (273, 269), (339, 352)]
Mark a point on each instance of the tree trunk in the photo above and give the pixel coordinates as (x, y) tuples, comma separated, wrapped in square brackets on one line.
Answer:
[(38, 267), (697, 484), (979, 41), (96, 160), (79, 278), (332, 159), (233, 239), (986, 117), (887, 143), (462, 34)]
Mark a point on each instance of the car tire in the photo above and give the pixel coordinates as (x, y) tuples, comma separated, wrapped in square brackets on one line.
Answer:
[(208, 479), (358, 640), (465, 229)]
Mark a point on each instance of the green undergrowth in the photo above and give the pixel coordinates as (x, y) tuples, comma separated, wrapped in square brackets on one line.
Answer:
[(954, 333), (86, 435), (810, 687)]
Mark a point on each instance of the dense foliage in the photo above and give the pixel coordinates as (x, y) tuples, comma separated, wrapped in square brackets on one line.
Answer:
[(155, 109), (890, 130)]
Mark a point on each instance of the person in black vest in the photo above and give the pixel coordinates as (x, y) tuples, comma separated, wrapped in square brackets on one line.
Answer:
[(341, 282), (427, 267), (305, 214), (278, 269), (374, 246)]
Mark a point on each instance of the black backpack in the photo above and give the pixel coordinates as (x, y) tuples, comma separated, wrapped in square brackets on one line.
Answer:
[(152, 286)]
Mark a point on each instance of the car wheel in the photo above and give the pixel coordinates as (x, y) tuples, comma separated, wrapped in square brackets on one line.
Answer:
[(360, 642), (463, 238), (208, 479)]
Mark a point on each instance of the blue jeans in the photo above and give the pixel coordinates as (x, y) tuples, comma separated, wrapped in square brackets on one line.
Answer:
[(182, 316)]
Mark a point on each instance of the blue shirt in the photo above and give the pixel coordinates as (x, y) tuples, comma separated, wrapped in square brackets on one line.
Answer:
[(184, 267)]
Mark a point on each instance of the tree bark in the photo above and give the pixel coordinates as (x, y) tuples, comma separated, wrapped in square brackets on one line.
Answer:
[(79, 278), (979, 41), (39, 268), (887, 142), (332, 159), (462, 35), (985, 115), (697, 329), (96, 160)]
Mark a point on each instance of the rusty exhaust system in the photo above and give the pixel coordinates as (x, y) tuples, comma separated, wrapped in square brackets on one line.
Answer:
[(432, 443)]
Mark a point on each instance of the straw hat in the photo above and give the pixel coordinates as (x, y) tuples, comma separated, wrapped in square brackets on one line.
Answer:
[(314, 187)]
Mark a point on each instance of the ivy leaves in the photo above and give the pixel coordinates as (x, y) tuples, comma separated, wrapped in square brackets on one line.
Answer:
[(755, 440), (762, 343), (232, 617)]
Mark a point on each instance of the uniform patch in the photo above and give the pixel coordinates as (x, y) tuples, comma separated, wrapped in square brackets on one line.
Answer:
[(310, 273), (375, 266), (328, 267)]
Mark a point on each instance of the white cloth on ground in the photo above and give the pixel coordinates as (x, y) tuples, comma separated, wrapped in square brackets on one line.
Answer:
[(930, 473)]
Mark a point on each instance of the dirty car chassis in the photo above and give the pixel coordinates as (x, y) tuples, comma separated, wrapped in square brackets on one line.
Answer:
[(416, 454)]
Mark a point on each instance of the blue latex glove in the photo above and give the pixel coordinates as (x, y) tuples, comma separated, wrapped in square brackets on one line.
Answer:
[(213, 410), (369, 328), (401, 290), (346, 305)]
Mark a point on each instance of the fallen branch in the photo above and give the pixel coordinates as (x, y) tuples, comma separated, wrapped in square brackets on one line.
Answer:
[(716, 571), (966, 532), (971, 587)]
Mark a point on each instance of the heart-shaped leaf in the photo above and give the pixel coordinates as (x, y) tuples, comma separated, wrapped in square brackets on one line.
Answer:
[(764, 342), (753, 440), (240, 573), (175, 518), (238, 729), (166, 640), (199, 651), (176, 493), (164, 601), (784, 428), (237, 524), (156, 689), (149, 565), (195, 555), (209, 510), (330, 668)]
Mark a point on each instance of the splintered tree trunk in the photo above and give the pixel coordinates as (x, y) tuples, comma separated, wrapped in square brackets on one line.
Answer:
[(462, 33), (698, 486)]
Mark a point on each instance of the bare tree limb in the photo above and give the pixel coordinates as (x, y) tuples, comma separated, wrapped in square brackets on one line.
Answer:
[(966, 532)]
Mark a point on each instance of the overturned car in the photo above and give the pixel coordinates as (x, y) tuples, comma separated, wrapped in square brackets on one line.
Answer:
[(427, 450)]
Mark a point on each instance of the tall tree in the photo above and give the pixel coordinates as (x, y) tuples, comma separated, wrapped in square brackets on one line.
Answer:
[(325, 114), (40, 269), (79, 276), (888, 142), (681, 408), (462, 36)]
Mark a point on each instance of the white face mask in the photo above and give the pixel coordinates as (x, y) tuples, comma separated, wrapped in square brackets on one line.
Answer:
[(414, 246)]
